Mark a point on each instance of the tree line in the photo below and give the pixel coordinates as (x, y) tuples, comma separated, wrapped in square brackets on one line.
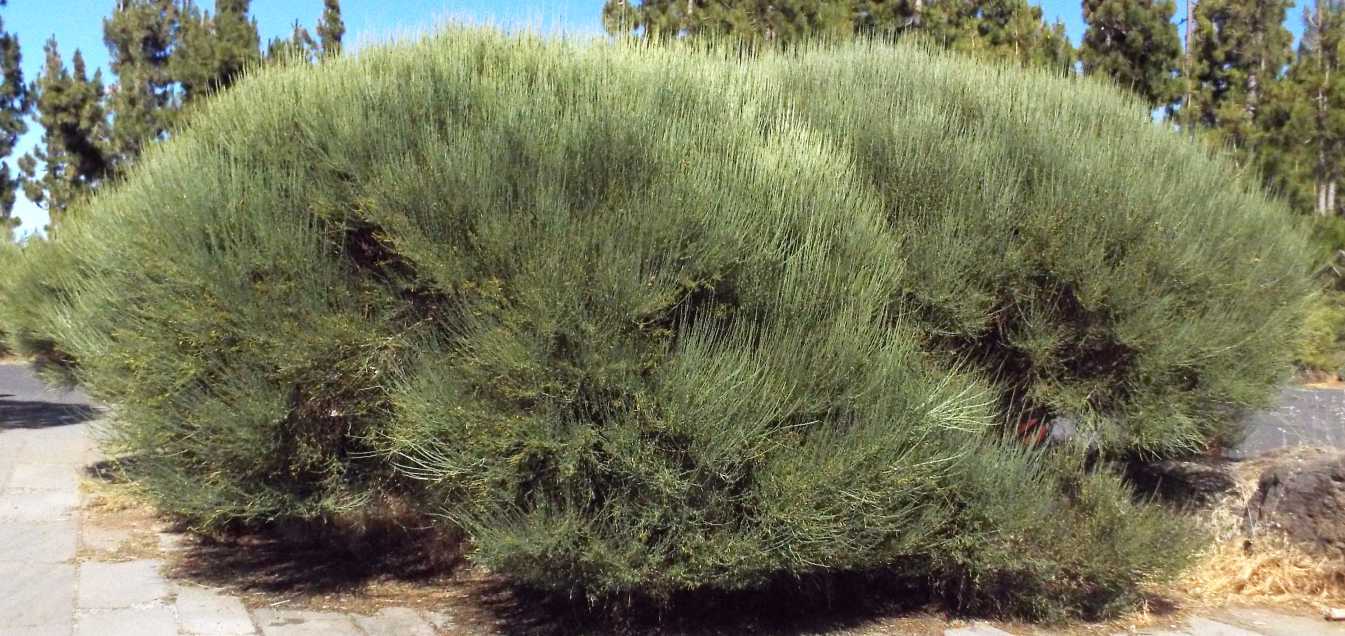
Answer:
[(166, 56), (1230, 73)]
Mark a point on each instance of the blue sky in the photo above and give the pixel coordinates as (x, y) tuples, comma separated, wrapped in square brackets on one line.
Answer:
[(78, 24)]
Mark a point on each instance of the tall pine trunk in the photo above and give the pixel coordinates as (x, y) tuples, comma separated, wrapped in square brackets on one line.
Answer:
[(1324, 174), (1188, 115), (1260, 70)]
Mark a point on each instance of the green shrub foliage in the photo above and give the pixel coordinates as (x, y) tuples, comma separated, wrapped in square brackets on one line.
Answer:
[(1090, 262), (33, 293), (1321, 348), (643, 320), (9, 256)]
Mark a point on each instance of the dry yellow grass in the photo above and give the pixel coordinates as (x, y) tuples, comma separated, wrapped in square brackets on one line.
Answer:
[(108, 498), (1265, 569), (107, 490)]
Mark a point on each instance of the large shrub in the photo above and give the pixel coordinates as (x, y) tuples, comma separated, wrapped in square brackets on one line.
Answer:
[(648, 320)]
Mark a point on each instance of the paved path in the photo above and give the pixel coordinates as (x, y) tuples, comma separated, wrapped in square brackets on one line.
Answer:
[(1231, 622), (49, 586), (46, 589)]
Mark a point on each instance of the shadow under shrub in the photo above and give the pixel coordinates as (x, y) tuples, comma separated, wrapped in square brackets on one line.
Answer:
[(649, 321)]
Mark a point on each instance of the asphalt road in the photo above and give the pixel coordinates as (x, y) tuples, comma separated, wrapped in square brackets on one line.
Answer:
[(1305, 417), (25, 402)]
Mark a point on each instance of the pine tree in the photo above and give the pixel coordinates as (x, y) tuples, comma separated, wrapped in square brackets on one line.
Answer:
[(1317, 76), (888, 17), (74, 148), (330, 28), (214, 50), (140, 37), (1239, 47), (193, 62), (1001, 29), (1285, 126), (1303, 117), (994, 29), (299, 45), (771, 22), (1014, 30), (1135, 43), (954, 24), (13, 106), (237, 43)]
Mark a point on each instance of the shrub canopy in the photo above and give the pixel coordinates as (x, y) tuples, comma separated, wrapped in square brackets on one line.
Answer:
[(651, 319)]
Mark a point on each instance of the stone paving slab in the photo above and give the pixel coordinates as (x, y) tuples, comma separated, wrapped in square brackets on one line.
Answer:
[(101, 539), (37, 595), (52, 542), (396, 621), (976, 630), (1249, 622), (51, 445), (46, 630), (38, 506), (34, 476), (136, 621), (121, 585), (206, 612), (1200, 626), (1276, 624), (282, 622)]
